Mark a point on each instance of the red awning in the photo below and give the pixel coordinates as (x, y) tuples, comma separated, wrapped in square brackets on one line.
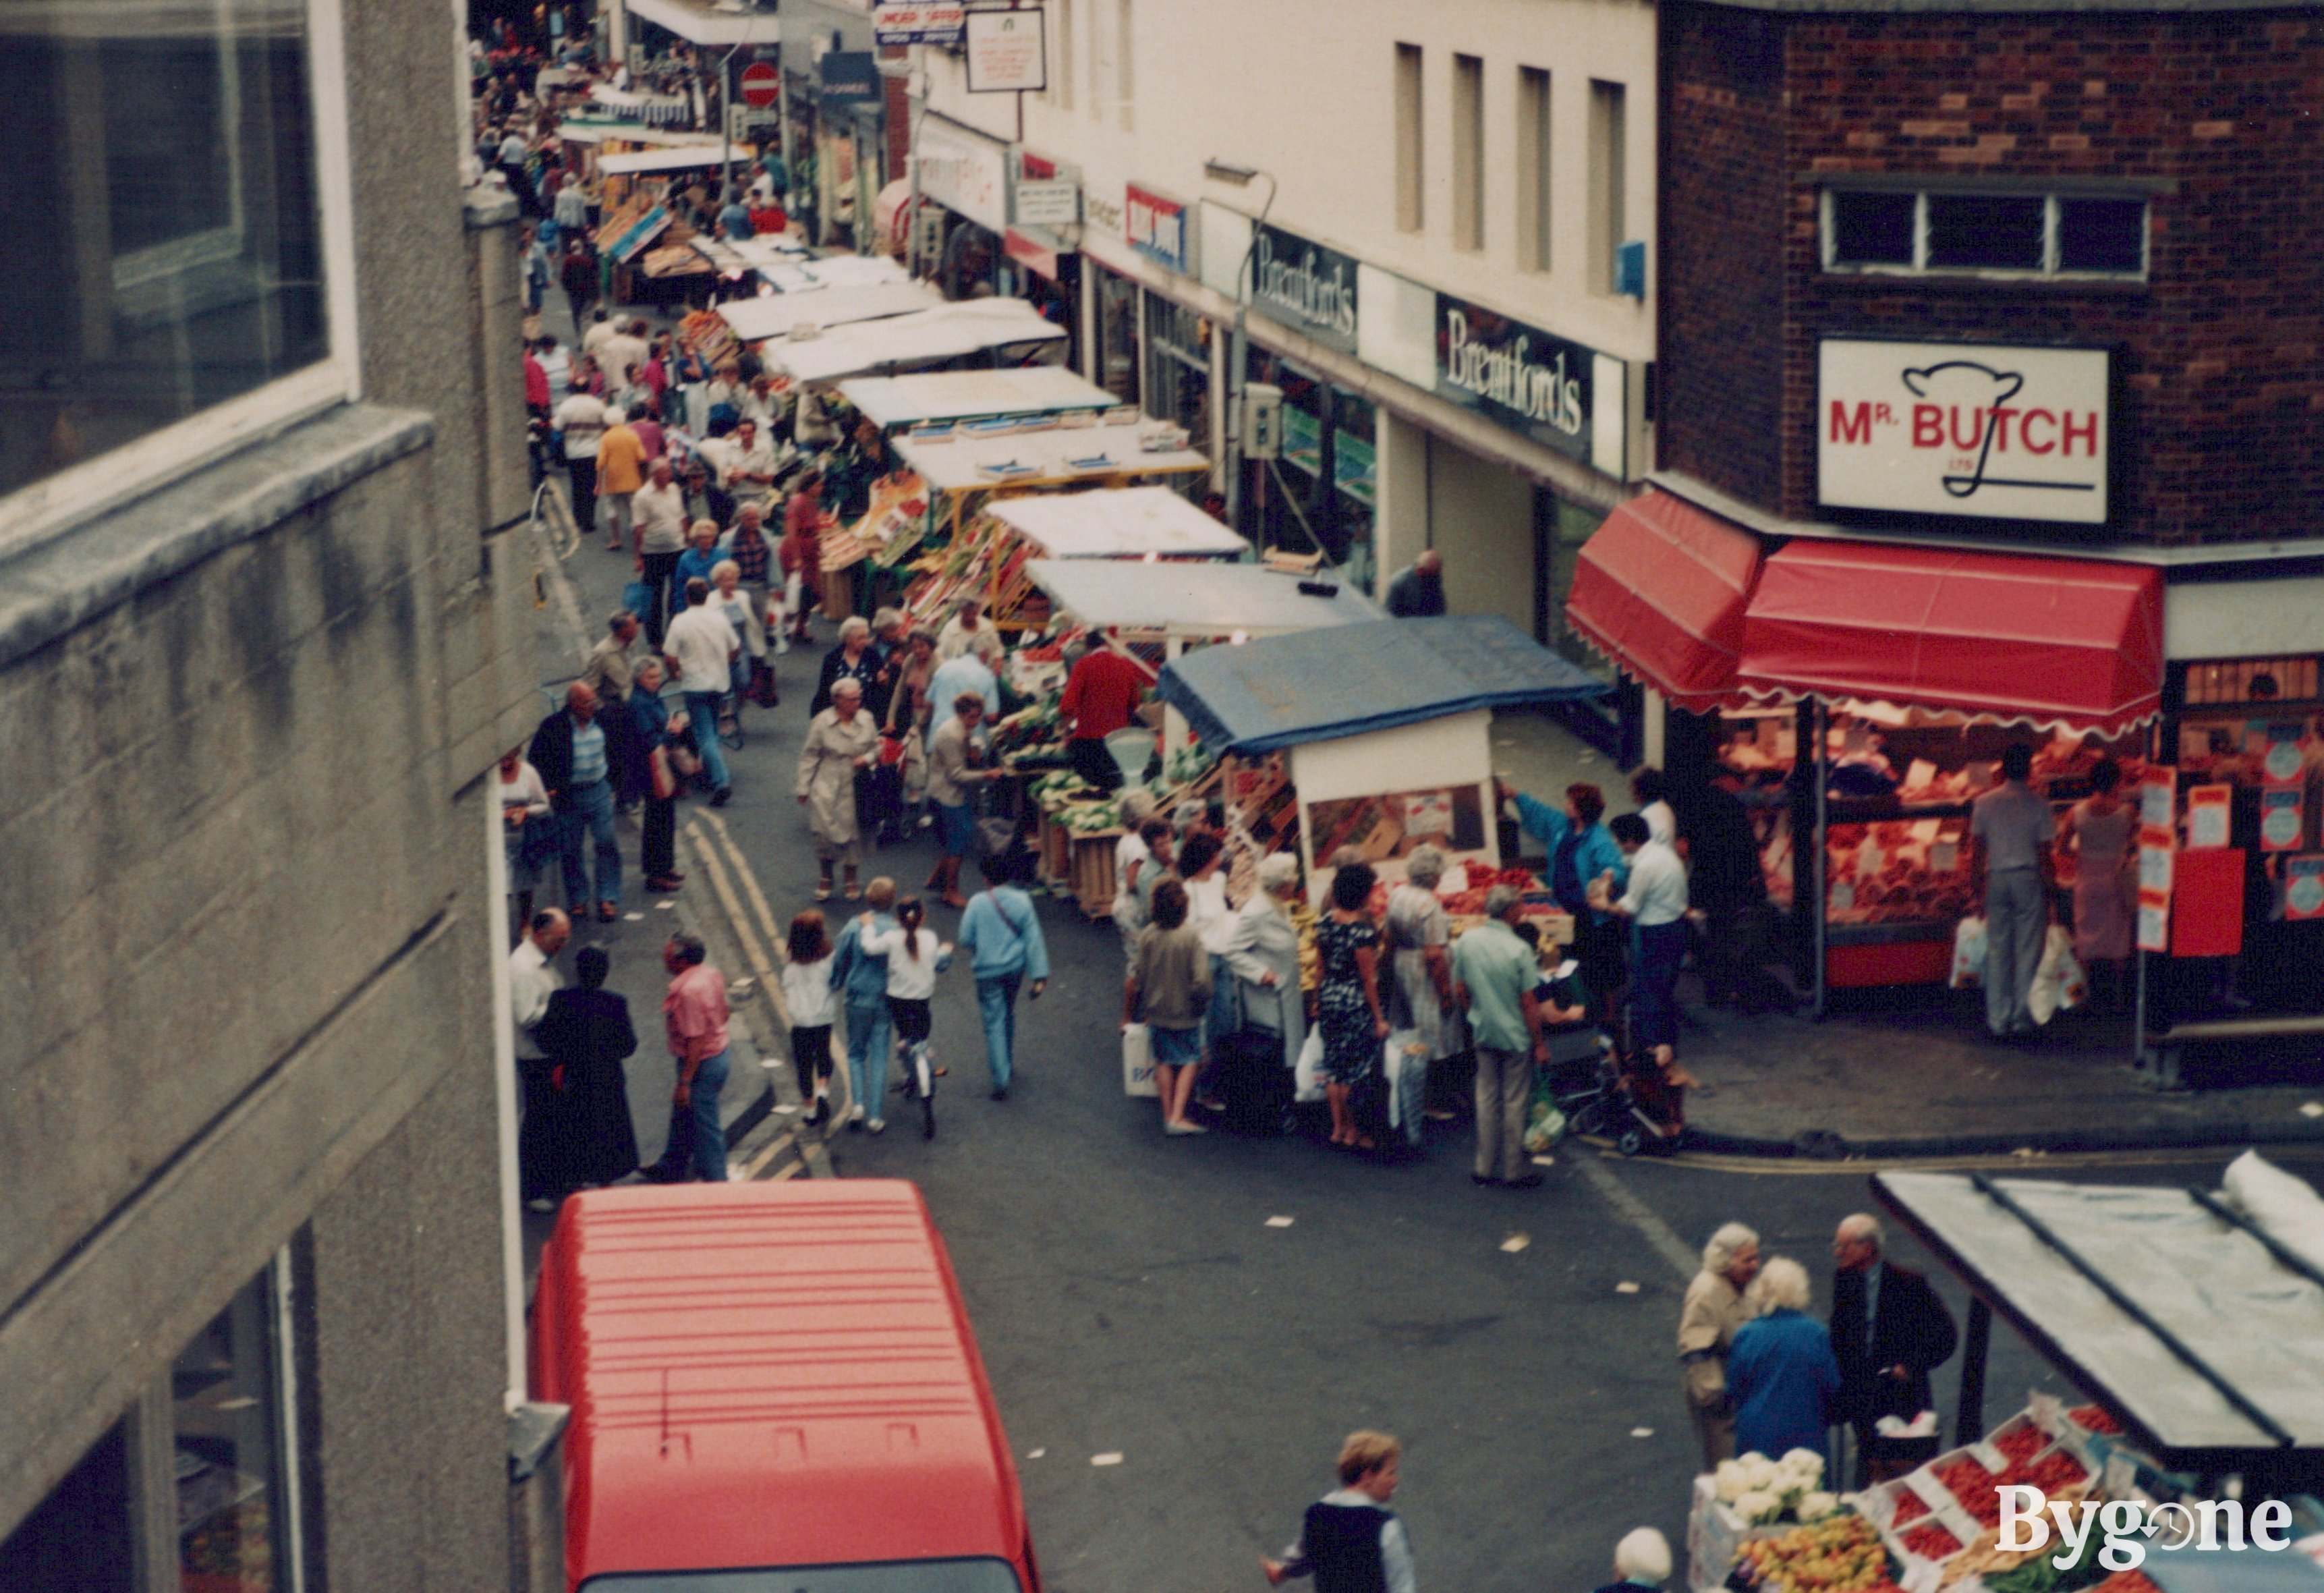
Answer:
[(1660, 589), (2068, 643)]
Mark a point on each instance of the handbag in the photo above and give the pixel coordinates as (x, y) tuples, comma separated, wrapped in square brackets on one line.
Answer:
[(664, 779), (685, 759)]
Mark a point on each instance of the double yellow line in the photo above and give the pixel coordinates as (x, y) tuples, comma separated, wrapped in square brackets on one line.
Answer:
[(711, 846)]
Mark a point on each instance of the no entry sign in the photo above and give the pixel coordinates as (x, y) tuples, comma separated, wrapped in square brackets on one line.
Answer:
[(760, 85)]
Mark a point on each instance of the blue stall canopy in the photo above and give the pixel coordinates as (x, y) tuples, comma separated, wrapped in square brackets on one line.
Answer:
[(1320, 685)]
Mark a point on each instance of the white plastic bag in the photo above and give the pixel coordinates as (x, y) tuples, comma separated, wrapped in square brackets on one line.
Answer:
[(1404, 1063), (1137, 1061), (1969, 954), (2059, 983), (1307, 1077)]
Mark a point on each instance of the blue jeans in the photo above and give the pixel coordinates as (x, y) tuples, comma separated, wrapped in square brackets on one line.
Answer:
[(701, 708), (1654, 1007), (697, 1140), (996, 1004), (867, 1053), (589, 811)]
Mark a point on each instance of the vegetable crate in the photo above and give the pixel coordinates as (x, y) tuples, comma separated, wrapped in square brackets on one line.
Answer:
[(1715, 1536), (1092, 870)]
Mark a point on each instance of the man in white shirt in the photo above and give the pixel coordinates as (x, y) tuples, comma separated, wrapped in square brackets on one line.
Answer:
[(746, 464), (2010, 829), (582, 419), (1649, 786), (704, 645), (558, 366), (1657, 902), (624, 352), (531, 979), (602, 326)]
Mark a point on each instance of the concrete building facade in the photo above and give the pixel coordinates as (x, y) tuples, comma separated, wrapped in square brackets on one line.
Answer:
[(1438, 286), (265, 625)]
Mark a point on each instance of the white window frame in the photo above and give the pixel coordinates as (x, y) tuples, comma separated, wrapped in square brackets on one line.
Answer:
[(2048, 271), (49, 507)]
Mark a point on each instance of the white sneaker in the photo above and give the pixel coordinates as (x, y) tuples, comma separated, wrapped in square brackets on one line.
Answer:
[(855, 1114), (876, 1125)]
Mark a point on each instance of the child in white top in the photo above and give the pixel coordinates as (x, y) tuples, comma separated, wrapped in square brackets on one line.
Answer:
[(812, 1006), (915, 957)]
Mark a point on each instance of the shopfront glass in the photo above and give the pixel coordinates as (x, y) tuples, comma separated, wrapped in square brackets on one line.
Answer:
[(1114, 365), (1283, 508), (1178, 367)]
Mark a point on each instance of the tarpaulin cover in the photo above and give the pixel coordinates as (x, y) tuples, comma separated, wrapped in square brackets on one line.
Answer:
[(1320, 685), (2068, 643), (1660, 589), (1122, 523), (948, 331), (1185, 600), (2257, 1324)]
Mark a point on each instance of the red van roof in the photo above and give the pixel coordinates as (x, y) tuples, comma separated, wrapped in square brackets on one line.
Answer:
[(761, 1375)]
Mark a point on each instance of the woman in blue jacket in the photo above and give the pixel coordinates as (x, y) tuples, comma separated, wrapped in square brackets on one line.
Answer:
[(1780, 1373), (1581, 848)]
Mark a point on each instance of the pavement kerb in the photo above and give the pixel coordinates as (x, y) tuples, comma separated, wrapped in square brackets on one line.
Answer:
[(1824, 1146), (778, 1085)]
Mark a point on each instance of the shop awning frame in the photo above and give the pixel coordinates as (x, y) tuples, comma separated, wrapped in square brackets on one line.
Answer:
[(1661, 588), (2070, 645)]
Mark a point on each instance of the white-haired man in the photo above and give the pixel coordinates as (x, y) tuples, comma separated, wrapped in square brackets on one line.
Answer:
[(1707, 1321), (1889, 1331), (1641, 1559)]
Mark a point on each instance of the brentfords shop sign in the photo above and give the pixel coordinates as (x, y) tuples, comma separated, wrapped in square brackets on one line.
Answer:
[(1963, 429), (1519, 376), (1305, 286)]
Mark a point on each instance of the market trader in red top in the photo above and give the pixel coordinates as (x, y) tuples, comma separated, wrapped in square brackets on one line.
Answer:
[(1102, 696)]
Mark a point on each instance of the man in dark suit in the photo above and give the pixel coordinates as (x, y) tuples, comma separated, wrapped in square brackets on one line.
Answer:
[(1889, 1331)]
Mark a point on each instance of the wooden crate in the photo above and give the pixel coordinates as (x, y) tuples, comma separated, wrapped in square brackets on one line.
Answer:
[(1093, 883), (1055, 851)]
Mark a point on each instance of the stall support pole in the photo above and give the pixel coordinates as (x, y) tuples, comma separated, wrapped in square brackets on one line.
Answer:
[(1819, 903), (1969, 1426)]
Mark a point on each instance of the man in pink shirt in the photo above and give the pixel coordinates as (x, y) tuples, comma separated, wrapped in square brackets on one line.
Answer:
[(693, 1015)]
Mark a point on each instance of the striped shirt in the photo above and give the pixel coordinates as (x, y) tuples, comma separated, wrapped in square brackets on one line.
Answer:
[(588, 754)]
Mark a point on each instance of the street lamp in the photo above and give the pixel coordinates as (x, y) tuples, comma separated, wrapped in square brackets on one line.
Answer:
[(1236, 175)]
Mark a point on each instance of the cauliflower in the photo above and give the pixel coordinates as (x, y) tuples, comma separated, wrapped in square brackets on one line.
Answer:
[(1805, 1462), (1729, 1482), (1759, 1507), (1817, 1505), (1758, 1471)]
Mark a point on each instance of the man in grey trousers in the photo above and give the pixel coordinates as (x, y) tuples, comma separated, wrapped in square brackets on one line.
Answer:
[(2011, 828)]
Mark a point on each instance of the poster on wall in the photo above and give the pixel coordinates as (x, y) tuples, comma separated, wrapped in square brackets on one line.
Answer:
[(1395, 825), (2303, 886), (1964, 429), (2209, 807), (2282, 817)]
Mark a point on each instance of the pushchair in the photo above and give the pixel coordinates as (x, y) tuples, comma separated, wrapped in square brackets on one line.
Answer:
[(1606, 1089)]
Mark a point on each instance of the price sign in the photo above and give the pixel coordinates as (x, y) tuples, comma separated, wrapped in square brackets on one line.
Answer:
[(2282, 817), (2207, 816), (2303, 886)]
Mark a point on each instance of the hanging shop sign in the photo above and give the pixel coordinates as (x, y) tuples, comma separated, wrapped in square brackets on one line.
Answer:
[(1517, 375), (965, 172), (1042, 192), (918, 22), (845, 76), (1305, 286), (1964, 429), (1005, 52), (1157, 229)]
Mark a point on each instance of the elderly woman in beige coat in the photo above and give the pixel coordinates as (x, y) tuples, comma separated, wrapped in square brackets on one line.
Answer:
[(839, 743), (1713, 1310), (1261, 948)]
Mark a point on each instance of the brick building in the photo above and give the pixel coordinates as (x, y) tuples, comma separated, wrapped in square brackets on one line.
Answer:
[(2157, 166), (1989, 407)]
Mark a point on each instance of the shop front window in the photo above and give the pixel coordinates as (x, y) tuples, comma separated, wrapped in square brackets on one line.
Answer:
[(1178, 367), (79, 1537), (1285, 508), (1116, 364)]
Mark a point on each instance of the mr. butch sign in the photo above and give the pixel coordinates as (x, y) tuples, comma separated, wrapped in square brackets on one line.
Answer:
[(1965, 428)]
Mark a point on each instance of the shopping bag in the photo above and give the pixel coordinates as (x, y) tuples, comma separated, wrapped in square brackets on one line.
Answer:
[(1545, 1122), (1404, 1063), (1137, 1061), (1307, 1075), (2058, 982), (1969, 954)]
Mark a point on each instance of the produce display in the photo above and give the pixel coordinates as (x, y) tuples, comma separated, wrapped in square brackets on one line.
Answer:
[(1759, 1491), (1931, 1543), (986, 557), (1839, 1554), (1470, 903), (1897, 871), (1910, 1507), (2093, 1419), (1943, 1519)]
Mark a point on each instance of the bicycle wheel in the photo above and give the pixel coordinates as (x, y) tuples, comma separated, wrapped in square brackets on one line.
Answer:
[(924, 1078)]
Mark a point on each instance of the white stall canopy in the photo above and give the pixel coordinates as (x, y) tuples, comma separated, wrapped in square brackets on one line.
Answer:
[(1059, 455), (775, 315), (972, 395), (1188, 600), (949, 331), (1125, 524)]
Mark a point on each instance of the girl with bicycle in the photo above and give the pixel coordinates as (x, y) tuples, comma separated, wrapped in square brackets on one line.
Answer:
[(915, 957)]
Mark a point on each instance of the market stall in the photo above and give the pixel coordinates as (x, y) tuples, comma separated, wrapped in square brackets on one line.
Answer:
[(1376, 735), (1085, 447), (955, 398), (979, 326), (2191, 1322), (809, 311)]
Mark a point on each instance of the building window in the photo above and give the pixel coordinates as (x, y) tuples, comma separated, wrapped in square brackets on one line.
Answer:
[(1125, 58), (1062, 10), (1608, 140), (179, 263), (1409, 213), (200, 1472), (1468, 152), (1968, 233), (1115, 361), (1178, 367), (1533, 169)]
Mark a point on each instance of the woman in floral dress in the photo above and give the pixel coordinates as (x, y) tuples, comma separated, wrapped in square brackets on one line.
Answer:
[(1348, 1002)]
